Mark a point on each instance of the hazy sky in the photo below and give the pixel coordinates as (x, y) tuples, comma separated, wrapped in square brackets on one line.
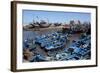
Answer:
[(53, 16)]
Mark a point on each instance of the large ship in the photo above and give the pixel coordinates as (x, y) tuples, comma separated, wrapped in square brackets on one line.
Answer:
[(40, 24)]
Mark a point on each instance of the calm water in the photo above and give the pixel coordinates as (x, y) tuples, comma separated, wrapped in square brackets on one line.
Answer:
[(33, 34), (29, 35)]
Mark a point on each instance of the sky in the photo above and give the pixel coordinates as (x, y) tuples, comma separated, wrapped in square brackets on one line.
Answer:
[(54, 16)]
